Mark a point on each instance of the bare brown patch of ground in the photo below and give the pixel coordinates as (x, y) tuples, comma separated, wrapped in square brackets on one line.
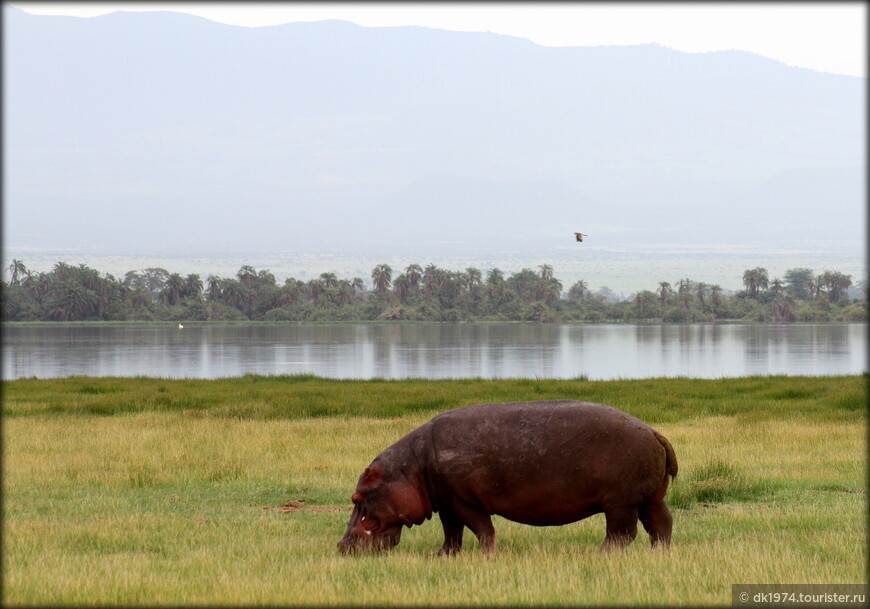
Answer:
[(298, 505)]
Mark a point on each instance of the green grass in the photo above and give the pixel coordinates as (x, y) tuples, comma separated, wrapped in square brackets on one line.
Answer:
[(158, 492), (286, 397)]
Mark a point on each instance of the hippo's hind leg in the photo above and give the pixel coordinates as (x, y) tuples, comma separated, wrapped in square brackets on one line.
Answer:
[(480, 524), (658, 522), (621, 526)]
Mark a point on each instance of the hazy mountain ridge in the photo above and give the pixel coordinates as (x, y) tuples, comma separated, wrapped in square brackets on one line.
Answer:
[(168, 131)]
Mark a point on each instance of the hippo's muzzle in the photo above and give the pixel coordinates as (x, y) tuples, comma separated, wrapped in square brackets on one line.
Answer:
[(359, 538), (351, 543)]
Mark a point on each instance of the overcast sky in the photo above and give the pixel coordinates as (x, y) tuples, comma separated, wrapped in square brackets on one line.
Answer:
[(825, 36)]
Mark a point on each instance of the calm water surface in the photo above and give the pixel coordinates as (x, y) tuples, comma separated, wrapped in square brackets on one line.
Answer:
[(434, 350)]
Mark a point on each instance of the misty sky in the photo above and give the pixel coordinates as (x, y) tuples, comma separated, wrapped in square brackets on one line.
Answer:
[(823, 36)]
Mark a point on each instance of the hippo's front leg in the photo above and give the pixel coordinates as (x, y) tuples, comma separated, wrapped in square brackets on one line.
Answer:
[(453, 529)]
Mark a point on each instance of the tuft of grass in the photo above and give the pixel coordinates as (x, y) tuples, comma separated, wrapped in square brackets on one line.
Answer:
[(715, 482)]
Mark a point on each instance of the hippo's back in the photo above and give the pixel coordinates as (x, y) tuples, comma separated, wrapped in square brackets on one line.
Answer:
[(547, 462)]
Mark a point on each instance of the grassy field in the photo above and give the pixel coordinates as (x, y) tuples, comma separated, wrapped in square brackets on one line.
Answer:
[(235, 492)]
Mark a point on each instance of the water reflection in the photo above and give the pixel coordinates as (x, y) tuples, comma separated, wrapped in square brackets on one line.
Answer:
[(435, 350)]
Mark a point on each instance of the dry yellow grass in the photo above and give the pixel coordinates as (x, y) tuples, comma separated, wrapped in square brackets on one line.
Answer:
[(164, 508)]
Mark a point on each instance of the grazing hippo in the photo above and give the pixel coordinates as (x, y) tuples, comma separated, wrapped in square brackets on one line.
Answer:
[(540, 463)]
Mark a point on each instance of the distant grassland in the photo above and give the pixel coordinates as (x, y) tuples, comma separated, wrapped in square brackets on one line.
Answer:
[(142, 491)]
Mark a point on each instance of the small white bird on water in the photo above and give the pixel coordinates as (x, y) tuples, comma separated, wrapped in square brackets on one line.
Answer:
[(180, 326)]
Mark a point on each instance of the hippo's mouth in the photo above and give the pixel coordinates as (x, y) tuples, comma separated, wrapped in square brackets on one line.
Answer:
[(362, 540), (369, 543)]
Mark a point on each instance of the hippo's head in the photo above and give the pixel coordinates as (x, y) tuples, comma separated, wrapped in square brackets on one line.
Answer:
[(382, 504)]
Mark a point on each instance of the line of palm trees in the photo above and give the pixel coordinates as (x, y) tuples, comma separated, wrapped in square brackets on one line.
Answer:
[(69, 293)]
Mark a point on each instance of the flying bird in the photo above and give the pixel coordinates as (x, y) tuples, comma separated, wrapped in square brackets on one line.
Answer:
[(580, 236)]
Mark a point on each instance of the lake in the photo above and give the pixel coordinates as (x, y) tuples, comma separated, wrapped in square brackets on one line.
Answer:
[(430, 350)]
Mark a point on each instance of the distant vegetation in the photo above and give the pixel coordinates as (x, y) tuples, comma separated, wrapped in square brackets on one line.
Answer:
[(81, 293)]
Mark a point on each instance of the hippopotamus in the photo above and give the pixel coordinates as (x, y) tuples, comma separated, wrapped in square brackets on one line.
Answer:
[(540, 463)]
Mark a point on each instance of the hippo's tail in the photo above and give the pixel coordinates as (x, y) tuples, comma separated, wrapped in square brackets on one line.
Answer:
[(670, 456)]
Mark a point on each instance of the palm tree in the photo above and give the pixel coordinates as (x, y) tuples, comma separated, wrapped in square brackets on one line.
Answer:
[(214, 288), (716, 294), (110, 289), (382, 276), (643, 300), (553, 290), (777, 286), (414, 273), (172, 289), (193, 287), (315, 290), (289, 292), (433, 280), (18, 270), (755, 281), (346, 293), (580, 289), (73, 302), (402, 287), (473, 282), (685, 286), (525, 284), (546, 271), (329, 280), (247, 275), (665, 291), (495, 286), (265, 279), (701, 292), (685, 299), (835, 283)]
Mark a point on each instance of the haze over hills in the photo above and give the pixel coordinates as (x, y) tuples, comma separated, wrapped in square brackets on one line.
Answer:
[(163, 133)]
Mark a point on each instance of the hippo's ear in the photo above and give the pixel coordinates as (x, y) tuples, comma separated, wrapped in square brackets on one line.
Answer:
[(372, 475)]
